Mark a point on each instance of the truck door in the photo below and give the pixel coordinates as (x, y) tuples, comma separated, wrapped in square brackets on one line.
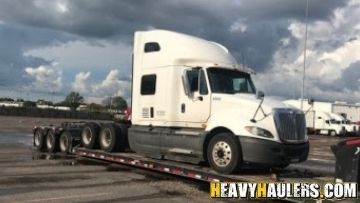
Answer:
[(194, 111), (195, 107)]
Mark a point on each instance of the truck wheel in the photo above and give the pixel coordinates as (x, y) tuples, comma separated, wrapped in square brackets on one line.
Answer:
[(112, 138), (89, 135), (224, 153), (65, 142), (52, 141), (39, 143), (332, 133)]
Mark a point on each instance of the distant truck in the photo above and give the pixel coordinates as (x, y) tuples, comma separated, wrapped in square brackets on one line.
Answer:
[(192, 102), (320, 119), (350, 127)]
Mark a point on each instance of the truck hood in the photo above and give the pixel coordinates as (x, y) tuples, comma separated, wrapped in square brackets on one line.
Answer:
[(248, 102)]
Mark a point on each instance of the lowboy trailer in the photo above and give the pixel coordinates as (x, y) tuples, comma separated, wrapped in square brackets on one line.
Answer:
[(69, 142)]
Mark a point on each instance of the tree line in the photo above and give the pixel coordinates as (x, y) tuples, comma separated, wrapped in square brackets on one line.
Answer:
[(73, 100)]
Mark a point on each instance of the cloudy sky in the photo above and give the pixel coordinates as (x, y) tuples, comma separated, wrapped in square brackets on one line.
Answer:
[(53, 47)]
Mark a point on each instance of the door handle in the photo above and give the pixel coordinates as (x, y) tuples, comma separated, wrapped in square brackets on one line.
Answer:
[(182, 108)]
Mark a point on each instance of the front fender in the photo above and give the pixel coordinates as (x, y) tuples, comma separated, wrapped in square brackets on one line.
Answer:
[(236, 123)]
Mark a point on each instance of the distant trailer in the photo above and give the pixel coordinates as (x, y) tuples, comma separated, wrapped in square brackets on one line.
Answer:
[(348, 111)]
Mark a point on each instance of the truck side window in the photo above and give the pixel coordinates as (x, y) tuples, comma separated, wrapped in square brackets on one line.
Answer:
[(151, 47), (192, 76), (203, 86), (148, 84)]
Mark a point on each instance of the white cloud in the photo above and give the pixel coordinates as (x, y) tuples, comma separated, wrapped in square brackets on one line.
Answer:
[(112, 85), (82, 83), (52, 7), (44, 78), (335, 61), (238, 27), (87, 56), (62, 6), (333, 45)]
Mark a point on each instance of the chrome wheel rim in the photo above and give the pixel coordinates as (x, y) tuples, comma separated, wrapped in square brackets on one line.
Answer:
[(37, 139), (63, 143), (222, 154), (49, 140), (86, 135), (106, 138)]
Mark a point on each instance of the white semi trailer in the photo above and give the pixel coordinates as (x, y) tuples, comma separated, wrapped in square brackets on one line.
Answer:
[(192, 102), (321, 119)]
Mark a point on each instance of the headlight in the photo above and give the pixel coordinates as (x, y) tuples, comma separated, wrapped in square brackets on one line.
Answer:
[(259, 131)]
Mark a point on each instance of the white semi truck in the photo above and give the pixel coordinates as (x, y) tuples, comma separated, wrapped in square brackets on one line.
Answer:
[(329, 124), (321, 119), (192, 102), (351, 128)]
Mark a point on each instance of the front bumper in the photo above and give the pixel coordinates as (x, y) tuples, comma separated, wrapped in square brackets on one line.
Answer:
[(270, 153)]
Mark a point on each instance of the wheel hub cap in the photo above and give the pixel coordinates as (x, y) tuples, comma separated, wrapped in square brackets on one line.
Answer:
[(37, 139), (106, 138), (86, 136), (222, 154)]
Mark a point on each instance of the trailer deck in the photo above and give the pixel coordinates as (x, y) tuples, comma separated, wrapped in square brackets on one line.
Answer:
[(203, 172)]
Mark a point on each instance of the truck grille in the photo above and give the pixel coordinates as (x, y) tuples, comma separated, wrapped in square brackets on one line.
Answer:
[(290, 125)]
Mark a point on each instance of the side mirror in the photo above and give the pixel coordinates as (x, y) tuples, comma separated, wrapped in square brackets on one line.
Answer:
[(186, 84), (310, 101), (260, 95), (327, 122)]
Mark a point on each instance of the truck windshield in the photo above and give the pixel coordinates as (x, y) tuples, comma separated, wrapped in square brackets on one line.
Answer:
[(230, 81), (335, 121)]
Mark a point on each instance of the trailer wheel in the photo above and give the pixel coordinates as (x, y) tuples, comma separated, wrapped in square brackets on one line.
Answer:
[(65, 142), (332, 133), (112, 138), (89, 135), (52, 141), (39, 143), (224, 153)]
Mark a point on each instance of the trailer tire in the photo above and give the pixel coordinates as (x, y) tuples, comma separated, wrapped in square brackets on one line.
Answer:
[(332, 133), (89, 135), (112, 138), (52, 141), (39, 141), (65, 142), (224, 153)]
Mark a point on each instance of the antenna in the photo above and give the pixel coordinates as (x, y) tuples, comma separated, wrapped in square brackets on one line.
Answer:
[(305, 43)]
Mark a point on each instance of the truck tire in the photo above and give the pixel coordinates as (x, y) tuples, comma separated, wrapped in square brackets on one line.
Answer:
[(89, 135), (224, 153), (52, 141), (113, 137), (39, 141), (65, 142), (332, 133)]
